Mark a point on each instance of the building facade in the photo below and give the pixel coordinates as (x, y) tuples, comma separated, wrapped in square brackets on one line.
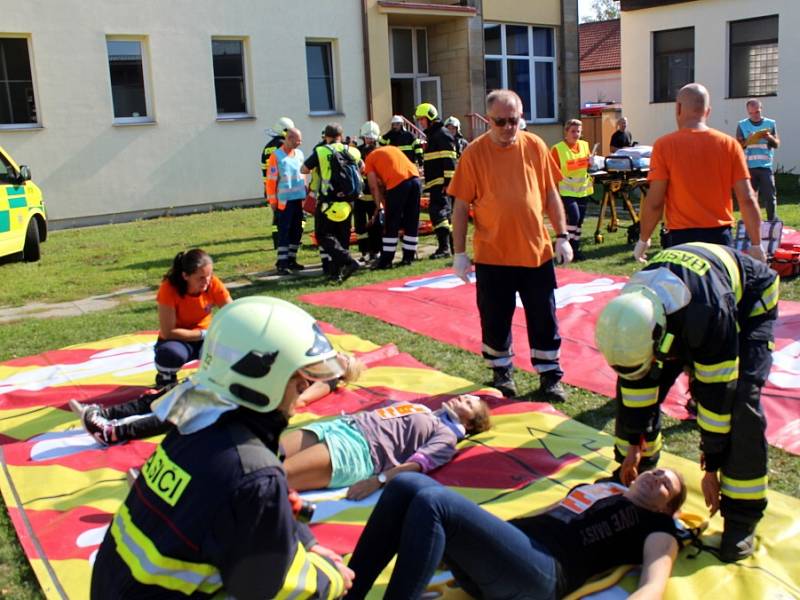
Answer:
[(601, 74), (738, 49), (124, 113)]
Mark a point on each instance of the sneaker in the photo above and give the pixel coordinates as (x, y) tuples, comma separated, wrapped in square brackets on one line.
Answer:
[(440, 253), (79, 407), (100, 428), (295, 266), (738, 542), (551, 389), (166, 380), (504, 382)]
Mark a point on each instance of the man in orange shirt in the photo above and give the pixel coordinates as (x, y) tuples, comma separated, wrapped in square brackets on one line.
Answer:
[(510, 180), (692, 172), (394, 182)]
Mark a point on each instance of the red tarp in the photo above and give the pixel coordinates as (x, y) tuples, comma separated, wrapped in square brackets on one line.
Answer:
[(442, 307)]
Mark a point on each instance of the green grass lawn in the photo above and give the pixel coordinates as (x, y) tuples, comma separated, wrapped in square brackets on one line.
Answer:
[(83, 262)]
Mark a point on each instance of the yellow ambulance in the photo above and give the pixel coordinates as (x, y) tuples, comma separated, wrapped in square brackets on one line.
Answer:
[(23, 220)]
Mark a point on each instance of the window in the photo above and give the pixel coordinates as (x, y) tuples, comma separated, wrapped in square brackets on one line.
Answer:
[(17, 100), (409, 51), (319, 65), (129, 94), (754, 57), (523, 58), (673, 62), (229, 80)]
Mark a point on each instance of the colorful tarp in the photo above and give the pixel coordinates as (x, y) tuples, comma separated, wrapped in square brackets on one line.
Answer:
[(61, 488), (441, 306)]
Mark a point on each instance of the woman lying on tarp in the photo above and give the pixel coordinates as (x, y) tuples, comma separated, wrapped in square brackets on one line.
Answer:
[(367, 449), (595, 528)]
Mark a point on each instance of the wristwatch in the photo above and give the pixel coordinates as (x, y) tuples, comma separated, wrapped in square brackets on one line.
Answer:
[(562, 236), (382, 479)]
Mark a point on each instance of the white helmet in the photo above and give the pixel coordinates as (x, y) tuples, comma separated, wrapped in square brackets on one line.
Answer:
[(453, 121), (255, 345), (398, 119), (282, 125), (628, 330), (370, 129)]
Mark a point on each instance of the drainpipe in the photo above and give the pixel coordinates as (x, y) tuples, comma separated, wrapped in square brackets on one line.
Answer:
[(367, 67)]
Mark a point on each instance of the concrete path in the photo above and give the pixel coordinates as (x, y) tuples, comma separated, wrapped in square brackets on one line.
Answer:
[(75, 308)]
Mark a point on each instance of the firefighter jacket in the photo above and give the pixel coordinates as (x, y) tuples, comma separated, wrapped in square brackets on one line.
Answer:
[(406, 141), (271, 146), (210, 514), (440, 156), (733, 298), (574, 164)]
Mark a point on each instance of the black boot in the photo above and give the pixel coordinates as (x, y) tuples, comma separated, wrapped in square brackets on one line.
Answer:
[(409, 256), (503, 380), (443, 238)]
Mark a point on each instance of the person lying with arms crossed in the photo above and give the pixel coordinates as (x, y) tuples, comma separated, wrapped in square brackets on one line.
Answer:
[(548, 555), (367, 449)]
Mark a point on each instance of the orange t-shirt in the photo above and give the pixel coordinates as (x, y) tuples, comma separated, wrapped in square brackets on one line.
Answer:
[(701, 168), (390, 165), (507, 190), (193, 312)]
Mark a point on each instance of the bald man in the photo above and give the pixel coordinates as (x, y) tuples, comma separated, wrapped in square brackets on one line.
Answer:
[(692, 172)]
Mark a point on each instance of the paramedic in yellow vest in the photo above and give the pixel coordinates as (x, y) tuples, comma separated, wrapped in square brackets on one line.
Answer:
[(286, 190), (573, 157), (332, 219), (278, 133)]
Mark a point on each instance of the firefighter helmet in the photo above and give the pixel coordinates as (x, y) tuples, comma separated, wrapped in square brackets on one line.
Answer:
[(427, 110), (398, 119), (454, 122), (282, 124), (628, 330), (370, 129), (256, 344)]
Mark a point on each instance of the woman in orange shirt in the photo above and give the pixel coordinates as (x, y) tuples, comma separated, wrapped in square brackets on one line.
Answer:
[(188, 293)]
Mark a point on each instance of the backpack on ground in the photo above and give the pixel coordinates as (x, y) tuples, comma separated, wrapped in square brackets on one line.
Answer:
[(345, 177)]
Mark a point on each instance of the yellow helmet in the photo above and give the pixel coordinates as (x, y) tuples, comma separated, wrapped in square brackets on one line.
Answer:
[(427, 110), (255, 345), (628, 330)]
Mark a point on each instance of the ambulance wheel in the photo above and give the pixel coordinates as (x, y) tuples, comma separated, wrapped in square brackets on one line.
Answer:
[(598, 238), (31, 252)]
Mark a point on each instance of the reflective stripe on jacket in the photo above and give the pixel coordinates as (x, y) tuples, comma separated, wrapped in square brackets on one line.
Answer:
[(574, 165), (759, 154)]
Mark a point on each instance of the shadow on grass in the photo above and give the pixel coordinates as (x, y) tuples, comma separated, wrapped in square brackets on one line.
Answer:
[(166, 262)]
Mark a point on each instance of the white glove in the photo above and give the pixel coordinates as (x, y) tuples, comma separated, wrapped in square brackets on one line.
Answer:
[(639, 251), (563, 252), (462, 266), (757, 252)]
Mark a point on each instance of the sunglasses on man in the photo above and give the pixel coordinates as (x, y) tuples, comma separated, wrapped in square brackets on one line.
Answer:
[(505, 121)]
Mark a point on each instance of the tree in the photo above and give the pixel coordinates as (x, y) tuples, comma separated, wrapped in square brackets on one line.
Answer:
[(603, 10)]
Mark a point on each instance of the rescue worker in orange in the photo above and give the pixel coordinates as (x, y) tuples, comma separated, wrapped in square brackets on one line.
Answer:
[(692, 172), (574, 157)]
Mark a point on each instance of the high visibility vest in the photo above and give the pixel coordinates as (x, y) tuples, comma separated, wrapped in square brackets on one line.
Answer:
[(323, 155), (759, 154), (291, 183), (574, 165)]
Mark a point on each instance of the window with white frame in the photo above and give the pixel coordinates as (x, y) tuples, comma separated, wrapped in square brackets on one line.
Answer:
[(229, 76), (753, 58), (321, 85), (127, 65), (17, 99), (673, 62), (409, 51), (523, 58)]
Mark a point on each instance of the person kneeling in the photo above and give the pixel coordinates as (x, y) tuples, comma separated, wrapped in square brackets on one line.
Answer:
[(594, 528), (367, 449)]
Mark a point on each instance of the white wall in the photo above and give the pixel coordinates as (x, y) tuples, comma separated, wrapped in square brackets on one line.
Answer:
[(710, 19), (601, 86), (88, 167)]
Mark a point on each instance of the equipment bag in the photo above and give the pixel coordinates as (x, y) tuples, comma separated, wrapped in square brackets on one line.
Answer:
[(771, 233), (786, 262), (345, 178)]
